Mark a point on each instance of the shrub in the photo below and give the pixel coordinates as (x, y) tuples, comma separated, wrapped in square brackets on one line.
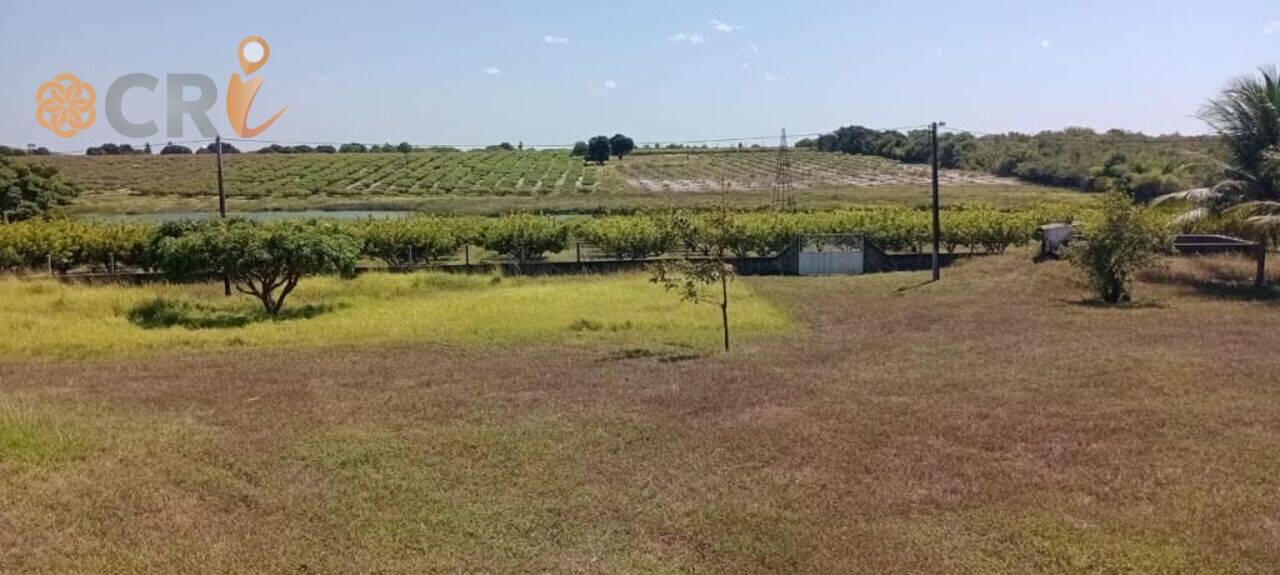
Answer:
[(30, 190), (408, 241), (525, 237), (628, 237), (1125, 241)]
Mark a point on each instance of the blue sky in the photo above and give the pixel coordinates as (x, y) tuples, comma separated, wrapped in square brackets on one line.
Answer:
[(558, 71)]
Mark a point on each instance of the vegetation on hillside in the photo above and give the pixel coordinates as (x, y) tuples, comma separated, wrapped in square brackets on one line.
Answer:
[(1139, 165), (28, 190)]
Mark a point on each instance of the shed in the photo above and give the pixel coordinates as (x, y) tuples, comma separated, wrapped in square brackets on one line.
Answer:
[(1054, 237)]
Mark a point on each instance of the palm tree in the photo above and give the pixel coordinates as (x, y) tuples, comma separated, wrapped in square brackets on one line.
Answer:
[(1246, 115)]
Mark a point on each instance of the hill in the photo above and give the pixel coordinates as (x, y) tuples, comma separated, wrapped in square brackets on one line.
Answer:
[(491, 181)]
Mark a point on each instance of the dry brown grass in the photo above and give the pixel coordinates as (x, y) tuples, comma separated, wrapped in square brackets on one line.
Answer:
[(990, 423)]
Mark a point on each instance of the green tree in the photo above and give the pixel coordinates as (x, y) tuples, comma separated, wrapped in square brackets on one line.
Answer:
[(31, 190), (579, 150), (172, 149), (598, 150), (265, 261), (620, 145), (1125, 241)]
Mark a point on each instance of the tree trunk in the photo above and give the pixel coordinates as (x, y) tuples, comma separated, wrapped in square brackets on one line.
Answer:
[(724, 307), (1261, 279)]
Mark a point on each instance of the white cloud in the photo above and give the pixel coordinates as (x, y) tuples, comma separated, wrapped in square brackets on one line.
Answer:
[(492, 71), (1272, 27), (750, 48), (549, 39), (745, 65), (770, 77), (1046, 44), (610, 85), (722, 27), (694, 38), (326, 79)]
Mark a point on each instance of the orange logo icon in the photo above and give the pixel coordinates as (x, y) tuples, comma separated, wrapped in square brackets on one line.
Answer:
[(253, 54), (64, 105)]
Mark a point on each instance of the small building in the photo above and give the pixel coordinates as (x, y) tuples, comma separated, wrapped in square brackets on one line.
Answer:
[(1054, 238)]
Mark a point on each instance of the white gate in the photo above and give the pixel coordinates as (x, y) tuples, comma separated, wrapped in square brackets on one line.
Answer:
[(831, 255)]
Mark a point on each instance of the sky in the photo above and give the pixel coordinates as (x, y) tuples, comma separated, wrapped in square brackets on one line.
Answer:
[(554, 72)]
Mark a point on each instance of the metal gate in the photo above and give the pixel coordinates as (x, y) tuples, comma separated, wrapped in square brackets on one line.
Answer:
[(826, 255)]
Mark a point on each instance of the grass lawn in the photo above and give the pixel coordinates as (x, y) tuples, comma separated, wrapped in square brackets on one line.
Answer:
[(46, 319), (995, 422)]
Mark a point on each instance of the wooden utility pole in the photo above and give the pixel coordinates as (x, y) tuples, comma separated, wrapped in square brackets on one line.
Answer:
[(222, 206), (937, 218)]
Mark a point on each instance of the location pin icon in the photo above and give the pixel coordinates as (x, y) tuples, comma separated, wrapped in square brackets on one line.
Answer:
[(253, 54)]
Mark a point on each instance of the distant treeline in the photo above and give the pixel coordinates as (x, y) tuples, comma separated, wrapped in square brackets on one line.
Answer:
[(33, 151), (1140, 165)]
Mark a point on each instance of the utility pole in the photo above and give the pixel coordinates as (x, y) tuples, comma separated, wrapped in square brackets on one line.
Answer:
[(222, 207), (937, 218)]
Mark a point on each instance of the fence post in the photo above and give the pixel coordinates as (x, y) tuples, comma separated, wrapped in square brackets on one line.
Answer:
[(48, 260), (411, 262), (579, 246), (466, 255)]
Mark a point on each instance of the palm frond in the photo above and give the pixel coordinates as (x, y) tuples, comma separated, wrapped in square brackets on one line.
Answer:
[(1197, 196), (1256, 209), (1188, 220), (1265, 228)]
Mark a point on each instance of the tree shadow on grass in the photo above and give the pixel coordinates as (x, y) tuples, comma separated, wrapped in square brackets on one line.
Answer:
[(1216, 278), (1094, 302), (164, 313), (1223, 289), (659, 355)]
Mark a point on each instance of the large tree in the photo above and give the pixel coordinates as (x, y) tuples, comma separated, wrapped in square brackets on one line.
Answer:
[(30, 190), (621, 145), (598, 150), (263, 260)]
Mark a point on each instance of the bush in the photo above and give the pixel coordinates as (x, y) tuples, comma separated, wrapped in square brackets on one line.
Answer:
[(408, 241), (628, 237), (1125, 241), (30, 190), (525, 237)]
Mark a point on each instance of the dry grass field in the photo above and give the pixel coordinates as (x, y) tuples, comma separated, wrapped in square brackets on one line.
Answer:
[(991, 423)]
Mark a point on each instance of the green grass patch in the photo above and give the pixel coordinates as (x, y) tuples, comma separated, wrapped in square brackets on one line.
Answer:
[(47, 319), (32, 437)]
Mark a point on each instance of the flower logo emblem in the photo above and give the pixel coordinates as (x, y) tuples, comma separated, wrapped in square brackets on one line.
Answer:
[(64, 105)]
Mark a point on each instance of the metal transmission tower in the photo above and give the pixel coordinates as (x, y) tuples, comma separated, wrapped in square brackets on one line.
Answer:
[(784, 194)]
